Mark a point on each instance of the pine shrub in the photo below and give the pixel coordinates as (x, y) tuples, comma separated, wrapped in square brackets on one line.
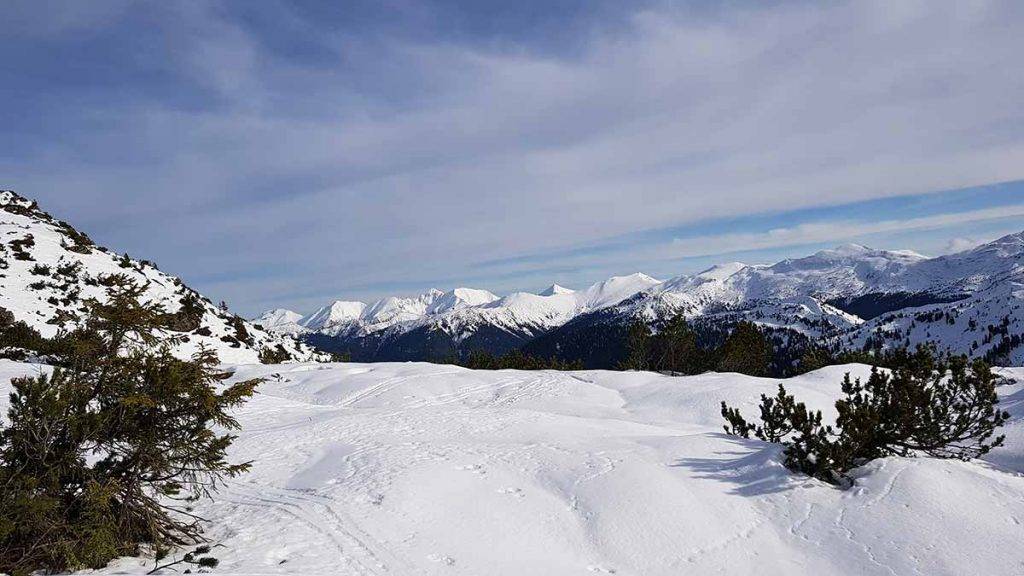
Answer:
[(275, 355), (104, 454), (940, 406), (189, 316)]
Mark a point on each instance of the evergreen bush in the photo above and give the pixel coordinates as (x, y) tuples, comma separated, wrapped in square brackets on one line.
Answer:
[(104, 454), (941, 406)]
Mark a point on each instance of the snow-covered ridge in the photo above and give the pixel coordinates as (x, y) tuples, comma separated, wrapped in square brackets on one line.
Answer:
[(48, 269), (805, 295), (969, 302), (461, 309)]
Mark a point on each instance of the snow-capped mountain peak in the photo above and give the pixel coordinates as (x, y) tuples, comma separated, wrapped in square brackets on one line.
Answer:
[(393, 309), (850, 249), (337, 312), (720, 272), (281, 321), (555, 289), (279, 316), (615, 290), (460, 298), (1009, 246)]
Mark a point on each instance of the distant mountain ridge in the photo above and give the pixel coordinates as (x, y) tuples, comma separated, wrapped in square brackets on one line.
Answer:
[(48, 269), (850, 297)]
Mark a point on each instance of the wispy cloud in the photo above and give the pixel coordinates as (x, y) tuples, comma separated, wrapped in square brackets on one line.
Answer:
[(961, 244), (834, 232), (239, 141)]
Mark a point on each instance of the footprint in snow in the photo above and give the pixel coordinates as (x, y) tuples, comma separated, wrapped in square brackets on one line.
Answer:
[(442, 559), (512, 492), (601, 569), (474, 468)]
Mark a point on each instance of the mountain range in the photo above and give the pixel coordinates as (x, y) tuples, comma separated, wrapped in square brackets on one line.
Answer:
[(848, 298)]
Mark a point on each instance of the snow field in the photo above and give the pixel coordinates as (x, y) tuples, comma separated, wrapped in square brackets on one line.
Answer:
[(429, 469)]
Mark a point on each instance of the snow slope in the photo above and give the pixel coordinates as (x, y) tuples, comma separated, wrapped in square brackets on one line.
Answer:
[(48, 269), (420, 469)]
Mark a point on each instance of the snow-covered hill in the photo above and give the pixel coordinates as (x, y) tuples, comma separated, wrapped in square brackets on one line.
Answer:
[(48, 269), (405, 469), (849, 297)]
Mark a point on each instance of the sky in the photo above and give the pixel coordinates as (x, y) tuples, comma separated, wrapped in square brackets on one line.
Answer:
[(286, 154)]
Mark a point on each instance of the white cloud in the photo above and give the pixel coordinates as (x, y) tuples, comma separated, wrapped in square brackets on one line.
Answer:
[(838, 231), (961, 244)]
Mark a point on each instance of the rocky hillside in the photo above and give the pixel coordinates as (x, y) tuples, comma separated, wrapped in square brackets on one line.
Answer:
[(48, 269)]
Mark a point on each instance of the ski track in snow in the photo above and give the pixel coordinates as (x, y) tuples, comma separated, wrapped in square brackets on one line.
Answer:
[(425, 470)]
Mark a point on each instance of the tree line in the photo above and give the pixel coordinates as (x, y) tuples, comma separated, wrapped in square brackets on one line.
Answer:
[(675, 349)]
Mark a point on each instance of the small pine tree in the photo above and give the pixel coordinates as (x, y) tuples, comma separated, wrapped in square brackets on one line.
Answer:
[(189, 316), (776, 418), (344, 356), (94, 457)]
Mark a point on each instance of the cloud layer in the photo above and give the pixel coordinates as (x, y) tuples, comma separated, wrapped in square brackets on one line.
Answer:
[(354, 158)]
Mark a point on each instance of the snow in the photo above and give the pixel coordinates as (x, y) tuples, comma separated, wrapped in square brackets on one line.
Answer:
[(429, 469), (721, 271), (393, 310)]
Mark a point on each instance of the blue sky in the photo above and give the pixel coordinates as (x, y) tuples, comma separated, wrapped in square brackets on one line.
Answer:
[(289, 153)]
